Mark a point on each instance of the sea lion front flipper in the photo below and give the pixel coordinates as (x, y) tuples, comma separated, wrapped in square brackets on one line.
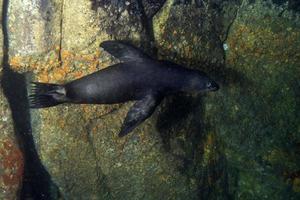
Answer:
[(124, 52), (139, 112)]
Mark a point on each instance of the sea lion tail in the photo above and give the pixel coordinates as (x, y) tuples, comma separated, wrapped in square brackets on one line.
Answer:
[(44, 95)]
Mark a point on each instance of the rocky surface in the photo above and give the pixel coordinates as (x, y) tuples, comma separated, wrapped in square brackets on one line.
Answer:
[(81, 149), (241, 142), (256, 114), (39, 35), (11, 157)]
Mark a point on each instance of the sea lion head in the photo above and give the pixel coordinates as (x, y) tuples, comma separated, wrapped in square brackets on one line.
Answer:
[(200, 82)]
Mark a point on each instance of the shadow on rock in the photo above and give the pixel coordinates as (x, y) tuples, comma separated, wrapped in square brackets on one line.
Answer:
[(185, 135), (37, 183), (173, 116), (176, 109)]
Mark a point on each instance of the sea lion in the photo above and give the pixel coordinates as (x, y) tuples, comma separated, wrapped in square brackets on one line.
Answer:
[(137, 78)]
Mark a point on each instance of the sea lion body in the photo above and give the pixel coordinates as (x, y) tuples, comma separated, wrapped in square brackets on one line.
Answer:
[(127, 82), (137, 78)]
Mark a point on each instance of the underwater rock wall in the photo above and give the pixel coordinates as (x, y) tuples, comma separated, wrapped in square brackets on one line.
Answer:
[(240, 142), (255, 116), (11, 157)]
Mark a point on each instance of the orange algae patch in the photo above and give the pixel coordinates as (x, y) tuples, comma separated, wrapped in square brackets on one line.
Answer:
[(72, 66), (15, 61), (78, 74), (59, 74), (12, 165), (44, 77), (49, 68), (36, 63)]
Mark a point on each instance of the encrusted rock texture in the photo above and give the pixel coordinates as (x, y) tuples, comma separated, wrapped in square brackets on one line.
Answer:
[(241, 142), (255, 116), (11, 157)]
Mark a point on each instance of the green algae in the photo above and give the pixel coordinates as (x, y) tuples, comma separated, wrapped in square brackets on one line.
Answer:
[(255, 115)]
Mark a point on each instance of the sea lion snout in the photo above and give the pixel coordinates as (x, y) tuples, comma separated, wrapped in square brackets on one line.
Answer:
[(201, 83), (213, 86)]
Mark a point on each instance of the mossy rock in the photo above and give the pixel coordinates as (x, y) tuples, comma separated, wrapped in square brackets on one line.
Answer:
[(256, 113)]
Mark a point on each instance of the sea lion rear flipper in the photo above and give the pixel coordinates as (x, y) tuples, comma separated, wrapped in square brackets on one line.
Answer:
[(139, 112), (124, 52), (44, 95)]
